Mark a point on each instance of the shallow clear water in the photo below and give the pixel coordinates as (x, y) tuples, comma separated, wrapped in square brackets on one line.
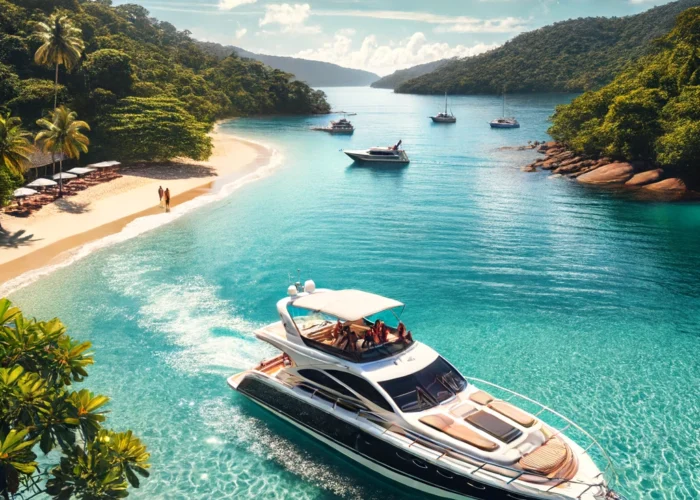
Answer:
[(585, 301)]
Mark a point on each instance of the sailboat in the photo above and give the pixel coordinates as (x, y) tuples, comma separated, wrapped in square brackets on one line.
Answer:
[(505, 122), (444, 117)]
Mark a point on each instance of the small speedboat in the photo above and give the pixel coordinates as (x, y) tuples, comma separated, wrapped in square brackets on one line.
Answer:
[(390, 154), (444, 117), (350, 375), (339, 127)]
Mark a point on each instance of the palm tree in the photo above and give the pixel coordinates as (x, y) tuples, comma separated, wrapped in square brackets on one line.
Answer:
[(63, 134), (62, 45), (15, 147)]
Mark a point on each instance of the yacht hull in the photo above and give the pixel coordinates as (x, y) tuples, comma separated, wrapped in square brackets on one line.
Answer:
[(504, 125), (376, 454), (443, 120), (365, 158)]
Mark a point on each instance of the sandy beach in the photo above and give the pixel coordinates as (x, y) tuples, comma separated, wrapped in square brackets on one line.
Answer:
[(48, 235)]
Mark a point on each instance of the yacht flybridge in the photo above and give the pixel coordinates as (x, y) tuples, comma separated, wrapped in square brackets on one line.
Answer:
[(342, 126), (351, 375), (391, 154)]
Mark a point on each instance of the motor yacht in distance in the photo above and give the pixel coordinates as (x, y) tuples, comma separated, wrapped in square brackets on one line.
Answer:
[(390, 154), (505, 122), (342, 126), (444, 117), (370, 391)]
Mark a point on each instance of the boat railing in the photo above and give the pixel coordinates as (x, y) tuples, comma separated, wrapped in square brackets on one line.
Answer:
[(543, 409), (495, 469)]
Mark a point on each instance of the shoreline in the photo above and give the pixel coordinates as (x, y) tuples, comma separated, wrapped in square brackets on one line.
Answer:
[(234, 163)]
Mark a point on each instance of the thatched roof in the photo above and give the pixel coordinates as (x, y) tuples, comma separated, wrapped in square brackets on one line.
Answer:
[(39, 158)]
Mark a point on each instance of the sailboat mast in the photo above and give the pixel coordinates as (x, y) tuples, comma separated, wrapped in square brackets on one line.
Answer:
[(504, 103), (445, 102)]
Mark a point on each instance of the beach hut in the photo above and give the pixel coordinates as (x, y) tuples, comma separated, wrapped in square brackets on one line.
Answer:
[(80, 171), (41, 162), (42, 183)]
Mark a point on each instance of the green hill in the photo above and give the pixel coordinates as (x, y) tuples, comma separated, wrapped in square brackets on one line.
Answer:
[(403, 75), (314, 73), (569, 56), (650, 112), (147, 90)]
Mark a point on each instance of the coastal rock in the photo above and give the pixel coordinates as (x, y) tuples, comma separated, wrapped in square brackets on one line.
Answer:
[(667, 185), (571, 161), (614, 173), (573, 168), (643, 178), (529, 168)]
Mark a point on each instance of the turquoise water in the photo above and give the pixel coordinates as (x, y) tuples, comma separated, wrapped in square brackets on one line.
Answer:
[(585, 301)]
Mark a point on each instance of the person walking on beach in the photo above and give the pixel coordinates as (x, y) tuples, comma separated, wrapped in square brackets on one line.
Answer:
[(167, 199), (160, 195)]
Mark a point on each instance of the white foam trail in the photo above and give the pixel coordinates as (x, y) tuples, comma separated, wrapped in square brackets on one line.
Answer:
[(148, 223)]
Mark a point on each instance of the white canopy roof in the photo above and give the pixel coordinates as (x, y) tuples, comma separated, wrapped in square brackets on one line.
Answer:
[(41, 182), (64, 176), (348, 305), (22, 192), (80, 170), (105, 164)]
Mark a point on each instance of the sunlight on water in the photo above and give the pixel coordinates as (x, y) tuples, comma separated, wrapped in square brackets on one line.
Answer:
[(577, 298)]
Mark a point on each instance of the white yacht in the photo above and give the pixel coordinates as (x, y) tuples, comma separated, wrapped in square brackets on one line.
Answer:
[(391, 154), (342, 126), (444, 117), (400, 409), (505, 122)]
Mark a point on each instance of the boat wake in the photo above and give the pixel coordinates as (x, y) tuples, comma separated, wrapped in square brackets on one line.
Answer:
[(269, 162)]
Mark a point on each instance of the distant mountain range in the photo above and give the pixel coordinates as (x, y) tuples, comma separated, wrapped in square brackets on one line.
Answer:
[(569, 56), (403, 75), (314, 73)]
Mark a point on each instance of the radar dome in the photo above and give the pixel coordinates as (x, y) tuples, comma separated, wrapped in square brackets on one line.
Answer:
[(292, 290), (309, 286)]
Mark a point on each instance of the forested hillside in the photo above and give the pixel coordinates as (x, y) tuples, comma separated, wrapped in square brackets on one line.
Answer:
[(314, 73), (146, 89), (650, 112), (570, 56), (403, 75)]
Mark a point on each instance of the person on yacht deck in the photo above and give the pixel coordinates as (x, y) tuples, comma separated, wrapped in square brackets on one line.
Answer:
[(337, 330), (351, 339), (368, 341), (384, 334)]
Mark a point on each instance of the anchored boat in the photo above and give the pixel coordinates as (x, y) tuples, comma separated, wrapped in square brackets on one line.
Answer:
[(392, 154), (342, 126), (352, 376), (444, 117)]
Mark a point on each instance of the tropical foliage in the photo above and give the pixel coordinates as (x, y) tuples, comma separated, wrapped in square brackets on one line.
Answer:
[(14, 155), (118, 55), (650, 112), (62, 133), (570, 56), (41, 412)]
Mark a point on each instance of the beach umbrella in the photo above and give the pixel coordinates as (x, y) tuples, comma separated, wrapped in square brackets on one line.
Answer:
[(80, 170), (22, 192), (65, 176), (105, 164), (41, 182)]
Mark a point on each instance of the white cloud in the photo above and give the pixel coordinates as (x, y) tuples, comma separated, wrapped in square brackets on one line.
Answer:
[(241, 33), (384, 59), (461, 24), (232, 4), (291, 18)]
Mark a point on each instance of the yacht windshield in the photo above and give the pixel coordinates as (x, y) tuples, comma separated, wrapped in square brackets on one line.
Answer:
[(427, 388)]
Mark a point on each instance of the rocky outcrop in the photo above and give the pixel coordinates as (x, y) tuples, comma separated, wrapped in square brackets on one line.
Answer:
[(612, 174), (674, 185), (647, 182), (643, 178)]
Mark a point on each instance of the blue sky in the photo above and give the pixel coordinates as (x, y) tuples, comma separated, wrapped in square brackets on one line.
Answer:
[(377, 35)]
